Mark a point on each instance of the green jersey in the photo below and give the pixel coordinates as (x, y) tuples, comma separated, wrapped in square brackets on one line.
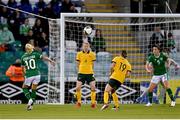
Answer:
[(158, 63), (29, 60)]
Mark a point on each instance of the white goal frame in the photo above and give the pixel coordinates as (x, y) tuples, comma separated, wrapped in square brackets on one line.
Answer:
[(62, 35)]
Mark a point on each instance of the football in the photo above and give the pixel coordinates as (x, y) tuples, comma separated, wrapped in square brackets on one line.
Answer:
[(88, 30)]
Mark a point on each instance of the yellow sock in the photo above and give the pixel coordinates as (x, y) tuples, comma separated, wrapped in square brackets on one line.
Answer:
[(106, 97), (78, 94), (115, 99), (93, 97)]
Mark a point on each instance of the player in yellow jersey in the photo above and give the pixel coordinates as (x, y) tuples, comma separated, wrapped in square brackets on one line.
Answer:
[(85, 63), (120, 69)]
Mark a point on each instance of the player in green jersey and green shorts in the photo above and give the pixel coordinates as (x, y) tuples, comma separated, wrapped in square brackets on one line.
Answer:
[(32, 74), (156, 64)]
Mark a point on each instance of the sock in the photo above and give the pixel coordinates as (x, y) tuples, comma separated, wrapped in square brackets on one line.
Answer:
[(93, 97), (115, 99), (150, 95), (27, 93), (170, 94), (106, 97), (33, 95), (78, 95)]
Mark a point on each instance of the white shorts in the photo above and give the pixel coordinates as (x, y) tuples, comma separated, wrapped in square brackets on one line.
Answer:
[(32, 80), (157, 78)]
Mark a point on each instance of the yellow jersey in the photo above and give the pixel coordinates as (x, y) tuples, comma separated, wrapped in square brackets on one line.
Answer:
[(86, 62), (121, 67)]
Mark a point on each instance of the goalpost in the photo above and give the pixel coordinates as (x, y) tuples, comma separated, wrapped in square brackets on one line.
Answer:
[(130, 32)]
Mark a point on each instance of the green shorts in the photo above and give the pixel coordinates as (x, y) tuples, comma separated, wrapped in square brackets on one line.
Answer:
[(85, 78), (115, 84)]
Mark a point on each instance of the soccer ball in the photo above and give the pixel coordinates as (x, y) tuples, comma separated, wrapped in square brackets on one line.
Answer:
[(88, 30)]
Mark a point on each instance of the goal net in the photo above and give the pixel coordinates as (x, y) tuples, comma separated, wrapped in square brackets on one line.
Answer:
[(112, 33)]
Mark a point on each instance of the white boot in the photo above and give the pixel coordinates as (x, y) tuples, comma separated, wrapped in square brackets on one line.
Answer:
[(105, 106), (30, 102), (148, 104), (173, 103), (29, 105)]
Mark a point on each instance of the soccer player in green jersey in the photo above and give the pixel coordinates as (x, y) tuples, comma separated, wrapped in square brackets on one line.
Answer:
[(157, 64), (172, 63), (32, 74)]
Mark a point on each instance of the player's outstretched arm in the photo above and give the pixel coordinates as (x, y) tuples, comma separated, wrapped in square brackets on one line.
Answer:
[(148, 67), (174, 63), (77, 65), (49, 60), (112, 68), (128, 74)]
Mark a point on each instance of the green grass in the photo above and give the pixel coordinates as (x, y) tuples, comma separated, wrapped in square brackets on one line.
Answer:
[(134, 111)]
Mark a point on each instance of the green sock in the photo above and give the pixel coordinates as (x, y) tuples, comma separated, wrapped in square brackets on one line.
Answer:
[(27, 93), (150, 95), (170, 94), (33, 95)]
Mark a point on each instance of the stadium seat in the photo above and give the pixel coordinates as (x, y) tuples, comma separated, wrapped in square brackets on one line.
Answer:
[(106, 69), (18, 45), (4, 79), (3, 67), (71, 45), (70, 56), (19, 54), (98, 69), (70, 69), (42, 65), (8, 57), (44, 78), (104, 57)]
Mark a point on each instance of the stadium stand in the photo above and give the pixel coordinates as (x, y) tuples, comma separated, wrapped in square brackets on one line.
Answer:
[(32, 31)]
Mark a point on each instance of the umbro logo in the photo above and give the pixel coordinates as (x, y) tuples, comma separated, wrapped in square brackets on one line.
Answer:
[(42, 90), (9, 90), (125, 91)]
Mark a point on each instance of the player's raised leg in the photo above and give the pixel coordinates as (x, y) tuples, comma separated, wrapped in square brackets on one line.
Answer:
[(93, 94), (34, 87), (27, 93), (33, 93), (28, 96)]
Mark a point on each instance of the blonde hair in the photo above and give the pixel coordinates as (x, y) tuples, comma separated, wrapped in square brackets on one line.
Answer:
[(29, 48)]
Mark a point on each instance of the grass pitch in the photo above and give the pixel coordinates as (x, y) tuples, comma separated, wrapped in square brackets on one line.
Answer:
[(135, 111)]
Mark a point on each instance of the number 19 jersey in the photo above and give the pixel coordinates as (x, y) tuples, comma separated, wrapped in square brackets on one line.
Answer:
[(121, 67), (30, 60)]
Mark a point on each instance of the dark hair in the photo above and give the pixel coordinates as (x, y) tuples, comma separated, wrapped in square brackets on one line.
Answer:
[(9, 2), (124, 53), (99, 31), (35, 23), (25, 2), (170, 34), (157, 46)]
